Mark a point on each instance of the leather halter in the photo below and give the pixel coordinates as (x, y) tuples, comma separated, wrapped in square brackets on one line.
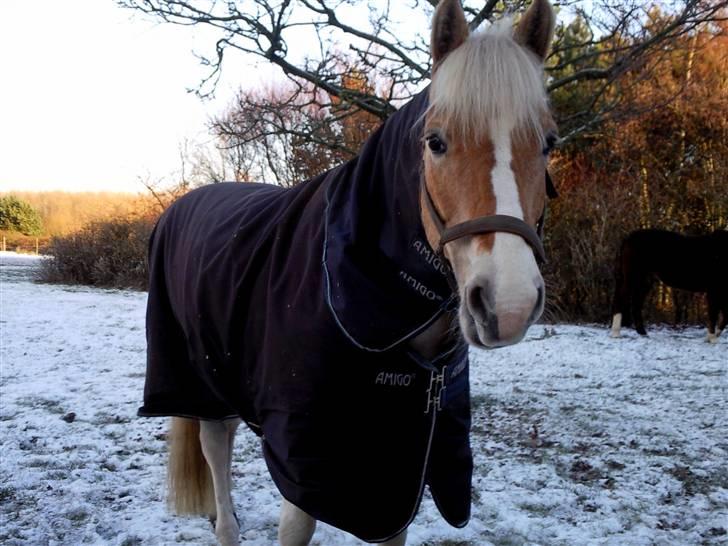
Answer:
[(489, 224)]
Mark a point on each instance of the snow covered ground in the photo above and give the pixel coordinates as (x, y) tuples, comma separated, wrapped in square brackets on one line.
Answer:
[(578, 438)]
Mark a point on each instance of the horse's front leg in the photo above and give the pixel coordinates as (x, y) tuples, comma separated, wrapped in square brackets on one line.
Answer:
[(723, 317), (217, 438), (639, 294), (713, 313), (295, 527)]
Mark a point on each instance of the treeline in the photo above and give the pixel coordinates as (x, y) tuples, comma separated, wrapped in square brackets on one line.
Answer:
[(66, 212), (95, 238), (663, 163)]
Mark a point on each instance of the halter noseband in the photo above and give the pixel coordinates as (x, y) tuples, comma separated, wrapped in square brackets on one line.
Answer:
[(489, 224)]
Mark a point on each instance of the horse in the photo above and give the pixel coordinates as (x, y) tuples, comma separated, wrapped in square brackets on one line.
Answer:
[(334, 317), (695, 263)]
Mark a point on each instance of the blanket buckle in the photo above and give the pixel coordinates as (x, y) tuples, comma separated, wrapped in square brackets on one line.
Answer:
[(436, 389)]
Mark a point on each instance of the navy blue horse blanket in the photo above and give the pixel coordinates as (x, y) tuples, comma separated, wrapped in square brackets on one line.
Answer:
[(292, 309)]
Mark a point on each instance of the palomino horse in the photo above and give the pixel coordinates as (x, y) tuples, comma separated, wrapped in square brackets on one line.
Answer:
[(695, 263), (322, 315)]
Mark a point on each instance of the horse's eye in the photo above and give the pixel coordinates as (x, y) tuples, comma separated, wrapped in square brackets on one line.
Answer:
[(551, 139), (436, 145)]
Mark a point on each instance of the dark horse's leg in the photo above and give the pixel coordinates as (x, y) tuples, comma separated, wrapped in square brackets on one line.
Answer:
[(621, 315), (723, 322), (713, 312), (640, 289), (717, 314)]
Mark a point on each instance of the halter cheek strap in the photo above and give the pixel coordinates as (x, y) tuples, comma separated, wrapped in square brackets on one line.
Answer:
[(489, 224)]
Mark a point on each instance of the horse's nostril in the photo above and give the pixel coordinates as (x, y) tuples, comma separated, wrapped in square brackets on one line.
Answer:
[(480, 302), (474, 300), (539, 304)]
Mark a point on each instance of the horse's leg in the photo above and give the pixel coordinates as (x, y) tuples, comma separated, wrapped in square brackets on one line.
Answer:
[(620, 301), (616, 324), (640, 289), (295, 527), (723, 316), (713, 313), (217, 439)]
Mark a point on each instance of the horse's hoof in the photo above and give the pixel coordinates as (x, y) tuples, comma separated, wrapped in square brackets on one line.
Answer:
[(614, 335)]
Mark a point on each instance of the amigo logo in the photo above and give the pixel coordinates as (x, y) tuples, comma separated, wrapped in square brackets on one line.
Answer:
[(394, 379), (458, 368), (419, 287), (430, 257)]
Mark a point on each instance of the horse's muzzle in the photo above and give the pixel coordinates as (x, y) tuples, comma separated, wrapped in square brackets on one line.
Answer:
[(490, 323)]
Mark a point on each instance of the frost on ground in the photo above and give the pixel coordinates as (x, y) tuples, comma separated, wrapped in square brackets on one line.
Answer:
[(578, 438)]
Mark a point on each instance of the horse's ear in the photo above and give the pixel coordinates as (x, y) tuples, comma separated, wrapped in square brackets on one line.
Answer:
[(536, 28), (449, 29)]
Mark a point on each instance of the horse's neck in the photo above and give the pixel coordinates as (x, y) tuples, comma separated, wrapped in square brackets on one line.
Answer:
[(431, 341)]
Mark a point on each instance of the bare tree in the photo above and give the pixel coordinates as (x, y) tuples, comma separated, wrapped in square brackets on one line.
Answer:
[(294, 132), (596, 45)]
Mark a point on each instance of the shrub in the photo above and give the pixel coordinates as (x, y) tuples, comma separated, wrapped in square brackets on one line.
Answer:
[(109, 253)]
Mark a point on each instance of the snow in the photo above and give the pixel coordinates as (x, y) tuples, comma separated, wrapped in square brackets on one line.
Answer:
[(578, 438)]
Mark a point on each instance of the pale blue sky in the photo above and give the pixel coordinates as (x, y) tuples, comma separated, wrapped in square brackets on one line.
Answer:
[(93, 96)]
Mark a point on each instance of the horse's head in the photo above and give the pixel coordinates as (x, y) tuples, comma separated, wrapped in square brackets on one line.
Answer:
[(487, 135)]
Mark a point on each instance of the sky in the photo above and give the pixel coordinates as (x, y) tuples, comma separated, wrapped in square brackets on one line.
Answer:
[(94, 97)]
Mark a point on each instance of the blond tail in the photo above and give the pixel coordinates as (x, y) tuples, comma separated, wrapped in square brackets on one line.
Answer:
[(189, 479)]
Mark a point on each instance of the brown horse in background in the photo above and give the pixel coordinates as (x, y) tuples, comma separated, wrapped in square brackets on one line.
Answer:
[(694, 263)]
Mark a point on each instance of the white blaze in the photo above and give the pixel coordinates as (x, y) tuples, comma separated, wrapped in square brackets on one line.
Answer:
[(511, 268), (507, 200)]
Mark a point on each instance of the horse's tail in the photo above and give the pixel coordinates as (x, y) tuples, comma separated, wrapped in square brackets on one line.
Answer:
[(189, 479)]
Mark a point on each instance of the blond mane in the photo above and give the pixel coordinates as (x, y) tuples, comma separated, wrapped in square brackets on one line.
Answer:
[(488, 83)]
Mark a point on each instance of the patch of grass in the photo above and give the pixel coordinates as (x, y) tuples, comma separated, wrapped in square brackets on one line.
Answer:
[(692, 484), (78, 514), (52, 406), (6, 494), (40, 463), (104, 418), (449, 543), (535, 508), (110, 466), (615, 465)]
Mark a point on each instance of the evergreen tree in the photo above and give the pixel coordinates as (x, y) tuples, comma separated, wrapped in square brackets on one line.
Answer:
[(17, 215)]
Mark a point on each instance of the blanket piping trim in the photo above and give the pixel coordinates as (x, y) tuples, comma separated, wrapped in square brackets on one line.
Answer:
[(444, 306)]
